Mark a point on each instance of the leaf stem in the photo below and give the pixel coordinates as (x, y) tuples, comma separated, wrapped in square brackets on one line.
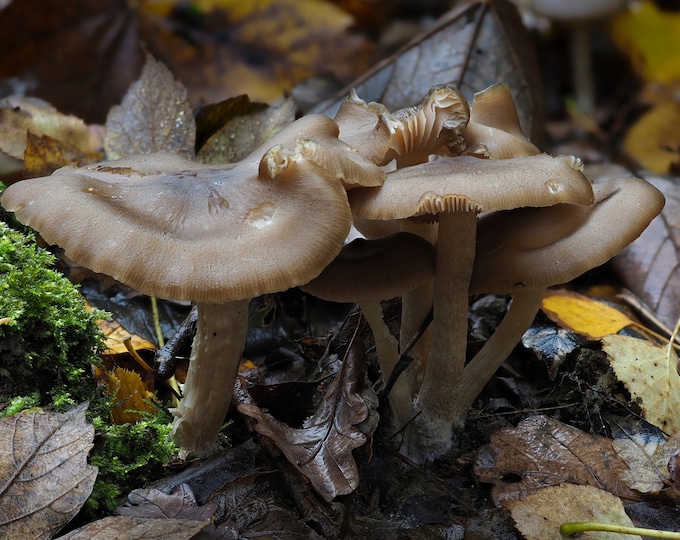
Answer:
[(567, 529)]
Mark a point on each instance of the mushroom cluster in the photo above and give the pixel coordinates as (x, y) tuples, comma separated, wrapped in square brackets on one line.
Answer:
[(452, 198), (501, 216)]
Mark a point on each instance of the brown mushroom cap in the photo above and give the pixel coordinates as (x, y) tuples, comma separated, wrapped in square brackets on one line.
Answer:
[(494, 130), (177, 229), (480, 185), (540, 247), (375, 269)]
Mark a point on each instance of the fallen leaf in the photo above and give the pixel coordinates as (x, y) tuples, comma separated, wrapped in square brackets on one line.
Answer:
[(155, 116), (44, 155), (244, 132), (654, 139), (540, 514), (650, 374), (472, 47), (650, 38), (130, 397), (322, 448), (154, 503), (115, 336), (542, 452), (647, 455), (584, 315), (551, 344), (136, 528), (44, 475), (22, 115)]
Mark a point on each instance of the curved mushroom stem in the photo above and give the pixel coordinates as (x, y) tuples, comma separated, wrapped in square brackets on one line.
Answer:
[(387, 350), (486, 362), (436, 400), (215, 357)]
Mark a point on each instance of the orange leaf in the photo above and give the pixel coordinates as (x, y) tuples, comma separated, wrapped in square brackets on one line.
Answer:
[(129, 395)]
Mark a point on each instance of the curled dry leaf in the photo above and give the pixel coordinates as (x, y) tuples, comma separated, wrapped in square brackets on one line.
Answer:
[(44, 475), (475, 45), (540, 514), (136, 528), (322, 448), (650, 375), (543, 452), (155, 116)]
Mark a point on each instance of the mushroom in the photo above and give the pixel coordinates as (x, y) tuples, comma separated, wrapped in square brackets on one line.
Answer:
[(455, 190), (368, 271), (524, 251), (217, 235)]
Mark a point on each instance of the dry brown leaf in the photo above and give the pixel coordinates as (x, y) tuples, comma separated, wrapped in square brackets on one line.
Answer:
[(155, 116), (472, 47), (650, 375), (322, 448), (22, 115), (650, 267), (542, 452), (647, 455), (44, 155), (137, 528), (44, 475), (540, 514)]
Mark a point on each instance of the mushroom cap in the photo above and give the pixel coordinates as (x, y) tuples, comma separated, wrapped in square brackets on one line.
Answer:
[(494, 130), (575, 10), (541, 247), (449, 184), (178, 229), (366, 270)]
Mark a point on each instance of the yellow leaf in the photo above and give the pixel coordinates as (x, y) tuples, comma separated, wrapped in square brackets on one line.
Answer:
[(129, 395), (654, 140), (651, 39), (650, 375), (115, 339), (584, 315)]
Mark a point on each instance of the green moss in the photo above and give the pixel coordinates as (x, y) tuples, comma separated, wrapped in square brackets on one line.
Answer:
[(129, 456), (49, 340), (21, 403)]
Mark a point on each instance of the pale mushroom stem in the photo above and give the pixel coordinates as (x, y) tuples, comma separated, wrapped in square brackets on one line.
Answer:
[(582, 68), (437, 397), (209, 386), (387, 350), (486, 362)]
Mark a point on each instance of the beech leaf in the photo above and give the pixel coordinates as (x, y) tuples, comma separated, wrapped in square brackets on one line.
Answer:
[(542, 452), (136, 528), (155, 116), (539, 515), (650, 375), (322, 448), (647, 455), (44, 475), (475, 45)]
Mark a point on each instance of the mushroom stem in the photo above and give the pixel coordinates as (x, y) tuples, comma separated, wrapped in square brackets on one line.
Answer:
[(209, 386), (486, 362), (437, 397), (582, 69), (387, 350)]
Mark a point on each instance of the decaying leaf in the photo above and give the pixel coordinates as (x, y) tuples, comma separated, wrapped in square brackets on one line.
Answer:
[(22, 115), (155, 116), (116, 336), (322, 448), (44, 475), (551, 344), (647, 455), (136, 528), (584, 315), (540, 514), (154, 503), (650, 375), (472, 47), (244, 132), (654, 139), (44, 155), (542, 452)]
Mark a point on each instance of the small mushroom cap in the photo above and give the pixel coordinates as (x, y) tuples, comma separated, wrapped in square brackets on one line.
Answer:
[(494, 130), (379, 269), (449, 184), (574, 10), (178, 229), (541, 247)]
